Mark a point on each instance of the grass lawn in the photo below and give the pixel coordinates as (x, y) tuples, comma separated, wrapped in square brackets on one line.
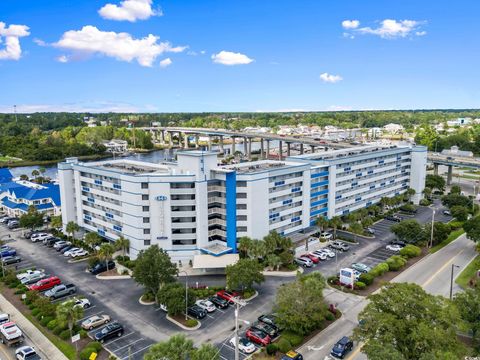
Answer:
[(8, 159), (453, 235), (468, 273)]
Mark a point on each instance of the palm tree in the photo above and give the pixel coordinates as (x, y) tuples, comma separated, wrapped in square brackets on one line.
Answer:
[(122, 244), (427, 192), (56, 221), (258, 249), (384, 201), (105, 253), (244, 246), (410, 193), (68, 313), (92, 239), (356, 229), (321, 222), (273, 261), (35, 173), (335, 223), (71, 228)]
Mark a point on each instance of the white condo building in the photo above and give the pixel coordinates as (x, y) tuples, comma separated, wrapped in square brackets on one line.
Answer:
[(196, 206)]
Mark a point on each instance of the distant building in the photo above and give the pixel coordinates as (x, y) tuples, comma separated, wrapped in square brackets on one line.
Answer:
[(459, 122), (116, 146), (16, 196), (393, 128), (454, 151)]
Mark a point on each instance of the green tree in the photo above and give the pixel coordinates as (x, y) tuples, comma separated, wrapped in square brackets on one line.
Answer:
[(172, 295), (69, 314), (32, 219), (205, 352), (408, 230), (243, 274), (472, 229), (435, 182), (122, 244), (367, 222), (400, 318), (455, 189), (273, 261), (92, 239), (24, 177), (459, 212), (356, 229), (35, 173), (452, 200), (154, 269), (178, 347), (105, 253), (299, 305), (71, 228), (440, 232), (257, 249), (244, 246), (56, 221), (321, 222), (335, 222), (427, 193), (468, 305), (409, 194)]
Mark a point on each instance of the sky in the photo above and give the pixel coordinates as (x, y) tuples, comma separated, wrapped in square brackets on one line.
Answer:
[(248, 55)]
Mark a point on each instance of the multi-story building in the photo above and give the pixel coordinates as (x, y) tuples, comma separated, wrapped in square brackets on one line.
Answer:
[(196, 206)]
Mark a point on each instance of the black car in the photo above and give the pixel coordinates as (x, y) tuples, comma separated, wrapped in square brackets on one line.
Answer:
[(394, 218), (52, 241), (102, 267), (218, 302), (64, 249), (197, 312), (398, 242), (7, 260), (59, 249), (342, 347), (269, 320), (28, 234), (111, 330)]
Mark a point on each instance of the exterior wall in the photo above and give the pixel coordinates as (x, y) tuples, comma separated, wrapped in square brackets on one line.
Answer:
[(418, 172)]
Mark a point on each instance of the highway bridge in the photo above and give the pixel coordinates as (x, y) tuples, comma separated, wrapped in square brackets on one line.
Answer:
[(450, 161)]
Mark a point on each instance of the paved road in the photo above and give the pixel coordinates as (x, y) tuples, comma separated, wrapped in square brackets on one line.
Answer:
[(432, 273)]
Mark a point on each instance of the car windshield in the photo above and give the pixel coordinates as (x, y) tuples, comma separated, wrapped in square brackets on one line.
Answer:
[(244, 342), (338, 347)]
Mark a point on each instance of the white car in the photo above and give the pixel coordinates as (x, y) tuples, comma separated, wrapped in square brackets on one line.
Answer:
[(83, 303), (244, 345), (26, 353), (328, 252), (79, 252), (163, 307), (28, 273), (319, 254), (39, 237), (71, 251), (206, 305), (59, 244), (395, 248), (326, 235)]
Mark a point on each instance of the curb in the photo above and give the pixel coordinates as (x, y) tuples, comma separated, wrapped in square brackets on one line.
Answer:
[(252, 297), (283, 273), (183, 326), (71, 261), (114, 277), (146, 303)]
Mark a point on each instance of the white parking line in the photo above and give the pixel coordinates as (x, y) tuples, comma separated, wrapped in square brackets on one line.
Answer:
[(133, 342), (136, 352), (120, 338), (222, 311), (210, 316)]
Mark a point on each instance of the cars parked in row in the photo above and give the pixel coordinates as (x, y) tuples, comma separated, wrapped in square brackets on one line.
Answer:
[(197, 312), (59, 291), (33, 278), (244, 345), (95, 321), (303, 261), (45, 284), (395, 248), (220, 303), (258, 337), (36, 237), (102, 267), (206, 305), (8, 251), (228, 295), (27, 273), (339, 245), (110, 331), (9, 260)]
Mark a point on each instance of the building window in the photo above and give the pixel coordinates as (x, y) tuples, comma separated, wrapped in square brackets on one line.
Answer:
[(146, 242), (144, 185), (144, 197), (146, 231), (146, 220), (145, 208)]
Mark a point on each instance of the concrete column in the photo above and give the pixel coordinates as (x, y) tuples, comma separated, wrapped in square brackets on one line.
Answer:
[(233, 145), (250, 149), (222, 150), (262, 150), (245, 146), (268, 149), (449, 174), (435, 169), (280, 150), (170, 139), (162, 132), (209, 146), (288, 148), (197, 139), (185, 140), (313, 148), (301, 148)]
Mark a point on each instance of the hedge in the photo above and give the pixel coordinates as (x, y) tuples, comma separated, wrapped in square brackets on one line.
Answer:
[(360, 285), (411, 251), (271, 349), (367, 279), (65, 334), (284, 345), (380, 269), (294, 338), (396, 262)]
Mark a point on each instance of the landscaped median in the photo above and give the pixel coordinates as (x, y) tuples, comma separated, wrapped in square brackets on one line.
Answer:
[(469, 278)]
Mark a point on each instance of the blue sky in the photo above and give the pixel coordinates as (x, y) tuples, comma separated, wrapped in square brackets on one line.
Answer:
[(267, 55)]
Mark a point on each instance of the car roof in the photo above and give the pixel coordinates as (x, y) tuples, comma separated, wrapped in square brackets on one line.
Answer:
[(343, 340)]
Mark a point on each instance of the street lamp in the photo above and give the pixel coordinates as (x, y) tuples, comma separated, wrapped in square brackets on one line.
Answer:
[(238, 303), (431, 232), (451, 279), (186, 293)]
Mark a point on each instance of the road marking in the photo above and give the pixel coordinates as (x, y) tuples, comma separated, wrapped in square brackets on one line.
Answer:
[(313, 348), (136, 352), (210, 316), (120, 338), (130, 344), (429, 280), (356, 352)]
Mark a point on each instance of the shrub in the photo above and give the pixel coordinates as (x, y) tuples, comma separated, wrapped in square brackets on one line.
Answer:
[(248, 293), (367, 279), (271, 349), (52, 324), (284, 345), (332, 279), (65, 334), (294, 338), (191, 323), (411, 251), (35, 311), (20, 291), (454, 225), (148, 297), (46, 320), (92, 261), (425, 202), (395, 262), (125, 272), (329, 316), (86, 352), (380, 269), (95, 345), (360, 285), (57, 329)]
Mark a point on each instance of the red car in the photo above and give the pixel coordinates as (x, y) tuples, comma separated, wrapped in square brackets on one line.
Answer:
[(45, 284), (228, 295), (258, 337), (314, 259)]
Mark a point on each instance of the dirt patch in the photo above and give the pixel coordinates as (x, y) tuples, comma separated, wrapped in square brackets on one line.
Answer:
[(112, 272)]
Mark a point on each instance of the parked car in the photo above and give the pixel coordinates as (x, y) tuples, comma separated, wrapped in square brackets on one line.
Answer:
[(28, 234), (47, 239), (111, 330), (206, 305), (26, 353), (45, 284), (39, 237), (398, 242), (196, 311), (447, 212), (5, 220), (244, 345), (27, 273), (65, 249), (292, 355), (61, 290), (102, 267), (320, 254), (228, 295), (339, 245), (361, 267), (95, 321), (356, 274), (258, 337), (82, 302), (394, 218), (328, 252), (13, 224), (370, 230), (326, 235), (219, 302), (52, 241), (79, 253), (305, 262), (8, 260), (313, 258), (8, 252), (342, 347), (33, 278), (70, 251), (270, 330), (268, 319), (395, 248), (60, 244)]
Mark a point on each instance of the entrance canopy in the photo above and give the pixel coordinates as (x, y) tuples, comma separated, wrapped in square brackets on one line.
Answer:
[(214, 262)]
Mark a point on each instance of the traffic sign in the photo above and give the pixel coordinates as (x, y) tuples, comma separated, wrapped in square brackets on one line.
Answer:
[(75, 338)]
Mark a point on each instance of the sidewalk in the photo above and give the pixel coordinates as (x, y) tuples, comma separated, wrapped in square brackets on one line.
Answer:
[(39, 340)]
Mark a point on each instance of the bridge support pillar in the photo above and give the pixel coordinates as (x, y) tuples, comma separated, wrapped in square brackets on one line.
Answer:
[(262, 149), (435, 169), (170, 139), (197, 139), (209, 143), (162, 132), (185, 141), (267, 154), (222, 150), (288, 148), (250, 149), (301, 149), (233, 145), (280, 150), (245, 146), (449, 174), (313, 148)]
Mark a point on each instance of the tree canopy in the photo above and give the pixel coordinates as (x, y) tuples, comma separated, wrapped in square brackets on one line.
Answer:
[(243, 274), (32, 219)]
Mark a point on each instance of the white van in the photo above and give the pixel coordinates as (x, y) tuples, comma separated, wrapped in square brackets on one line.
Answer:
[(4, 318)]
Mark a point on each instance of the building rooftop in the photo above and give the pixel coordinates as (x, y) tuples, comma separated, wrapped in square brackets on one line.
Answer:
[(258, 166)]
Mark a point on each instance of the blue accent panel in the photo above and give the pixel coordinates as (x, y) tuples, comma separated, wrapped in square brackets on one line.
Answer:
[(321, 183), (319, 202), (319, 211), (231, 207), (320, 174), (323, 192), (117, 186), (98, 182)]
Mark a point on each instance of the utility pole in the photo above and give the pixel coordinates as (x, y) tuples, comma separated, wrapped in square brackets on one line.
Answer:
[(451, 280), (431, 232), (238, 304)]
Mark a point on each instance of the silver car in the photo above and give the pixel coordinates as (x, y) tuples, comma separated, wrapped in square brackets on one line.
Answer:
[(305, 262)]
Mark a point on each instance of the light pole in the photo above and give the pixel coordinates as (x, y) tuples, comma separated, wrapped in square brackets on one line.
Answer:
[(451, 280), (238, 303), (431, 232), (186, 293)]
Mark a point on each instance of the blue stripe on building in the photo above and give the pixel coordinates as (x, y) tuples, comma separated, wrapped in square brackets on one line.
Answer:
[(231, 208)]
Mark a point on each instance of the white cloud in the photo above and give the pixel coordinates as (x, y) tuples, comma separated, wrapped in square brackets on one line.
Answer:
[(121, 46), (391, 29), (62, 59), (329, 78), (39, 42), (87, 106), (165, 62), (12, 33), (350, 24), (231, 58), (129, 10)]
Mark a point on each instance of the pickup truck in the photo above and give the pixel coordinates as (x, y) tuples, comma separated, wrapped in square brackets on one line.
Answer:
[(45, 284), (10, 334), (60, 291)]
